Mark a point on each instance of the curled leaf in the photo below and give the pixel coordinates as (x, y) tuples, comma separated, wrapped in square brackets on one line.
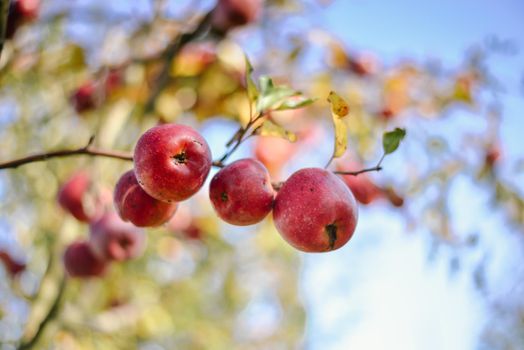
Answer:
[(339, 107)]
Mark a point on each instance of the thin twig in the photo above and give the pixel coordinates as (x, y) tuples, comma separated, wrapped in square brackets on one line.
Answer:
[(358, 172), (4, 15), (377, 167), (51, 314), (86, 150), (238, 138)]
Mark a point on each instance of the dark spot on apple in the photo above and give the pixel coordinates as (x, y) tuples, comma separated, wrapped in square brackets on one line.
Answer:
[(224, 197), (331, 231)]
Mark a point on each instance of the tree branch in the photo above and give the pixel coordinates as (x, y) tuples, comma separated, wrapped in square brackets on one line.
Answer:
[(86, 150), (170, 53), (51, 314), (4, 15)]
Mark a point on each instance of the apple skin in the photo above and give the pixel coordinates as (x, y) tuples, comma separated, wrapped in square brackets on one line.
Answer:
[(314, 211), (229, 14), (133, 204), (241, 192), (71, 194), (80, 261), (172, 162), (113, 239)]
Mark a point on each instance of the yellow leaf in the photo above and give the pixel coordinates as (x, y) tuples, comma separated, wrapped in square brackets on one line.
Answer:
[(341, 137), (339, 107), (271, 129)]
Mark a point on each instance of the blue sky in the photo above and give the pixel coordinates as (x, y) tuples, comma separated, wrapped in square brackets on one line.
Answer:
[(382, 291)]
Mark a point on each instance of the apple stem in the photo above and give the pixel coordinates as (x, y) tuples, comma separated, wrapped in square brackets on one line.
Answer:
[(180, 158)]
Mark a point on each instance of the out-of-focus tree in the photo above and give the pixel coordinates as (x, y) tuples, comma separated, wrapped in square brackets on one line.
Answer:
[(70, 72)]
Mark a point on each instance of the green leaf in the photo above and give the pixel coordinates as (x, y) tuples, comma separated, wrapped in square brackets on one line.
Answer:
[(278, 97), (252, 91), (295, 102), (391, 140), (274, 97), (269, 128), (339, 109), (266, 84)]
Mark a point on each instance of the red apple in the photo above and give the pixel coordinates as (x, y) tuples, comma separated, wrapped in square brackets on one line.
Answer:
[(314, 211), (80, 261), (84, 98), (135, 205), (241, 192), (172, 162), (229, 14), (71, 195), (113, 239)]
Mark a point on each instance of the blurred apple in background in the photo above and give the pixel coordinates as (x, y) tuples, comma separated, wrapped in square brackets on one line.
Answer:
[(80, 261)]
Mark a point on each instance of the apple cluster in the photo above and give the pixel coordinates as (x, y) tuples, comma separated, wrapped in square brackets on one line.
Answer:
[(313, 210)]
